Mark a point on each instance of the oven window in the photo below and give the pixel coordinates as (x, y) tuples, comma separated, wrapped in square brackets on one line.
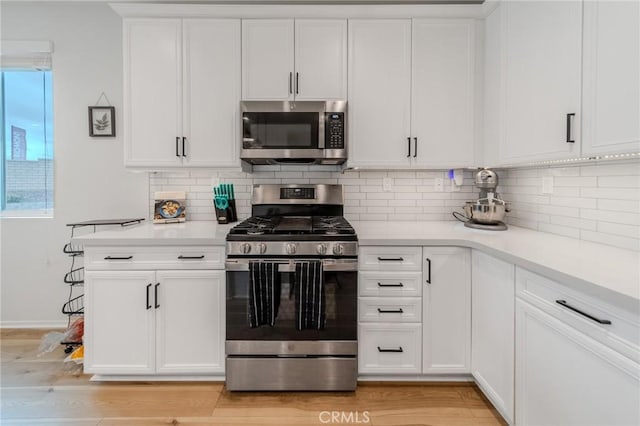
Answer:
[(280, 130), (340, 309)]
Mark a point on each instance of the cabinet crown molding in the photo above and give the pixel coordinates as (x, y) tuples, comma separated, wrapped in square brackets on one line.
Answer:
[(344, 11)]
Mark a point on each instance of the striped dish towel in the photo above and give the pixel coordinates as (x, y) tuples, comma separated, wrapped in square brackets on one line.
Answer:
[(310, 297), (264, 293)]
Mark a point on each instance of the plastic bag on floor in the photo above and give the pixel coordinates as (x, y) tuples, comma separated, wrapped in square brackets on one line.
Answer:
[(52, 340)]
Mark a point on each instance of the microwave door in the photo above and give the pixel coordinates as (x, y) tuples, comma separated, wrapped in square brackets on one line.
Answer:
[(280, 130)]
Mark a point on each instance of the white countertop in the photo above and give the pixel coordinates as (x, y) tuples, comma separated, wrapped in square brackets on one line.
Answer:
[(149, 234), (596, 269), (602, 271)]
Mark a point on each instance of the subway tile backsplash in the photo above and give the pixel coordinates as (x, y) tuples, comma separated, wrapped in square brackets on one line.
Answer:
[(597, 202)]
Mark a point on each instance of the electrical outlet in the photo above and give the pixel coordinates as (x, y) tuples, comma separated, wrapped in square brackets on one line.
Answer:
[(438, 185), (547, 185), (387, 184)]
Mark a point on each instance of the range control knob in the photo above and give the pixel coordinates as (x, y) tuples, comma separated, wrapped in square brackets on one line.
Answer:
[(291, 248), (338, 249), (262, 248), (322, 248), (246, 248)]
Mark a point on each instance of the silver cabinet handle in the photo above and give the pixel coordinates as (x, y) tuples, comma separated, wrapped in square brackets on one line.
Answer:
[(570, 118)]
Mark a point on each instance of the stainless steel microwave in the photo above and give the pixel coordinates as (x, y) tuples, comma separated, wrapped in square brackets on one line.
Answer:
[(294, 132)]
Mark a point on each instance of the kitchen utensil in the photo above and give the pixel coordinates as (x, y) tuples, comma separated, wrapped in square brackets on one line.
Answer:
[(485, 211)]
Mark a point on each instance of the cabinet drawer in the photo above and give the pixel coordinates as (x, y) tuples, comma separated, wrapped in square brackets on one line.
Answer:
[(390, 309), (390, 283), (389, 348), (622, 334), (146, 258), (390, 258)]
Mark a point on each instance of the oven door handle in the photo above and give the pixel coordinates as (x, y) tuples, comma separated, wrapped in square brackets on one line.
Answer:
[(290, 266)]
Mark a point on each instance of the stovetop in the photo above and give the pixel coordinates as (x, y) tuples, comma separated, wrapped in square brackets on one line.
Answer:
[(292, 228)]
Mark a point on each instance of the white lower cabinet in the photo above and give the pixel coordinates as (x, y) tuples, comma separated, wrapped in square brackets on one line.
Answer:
[(148, 322), (446, 310), (389, 348), (492, 324), (564, 377)]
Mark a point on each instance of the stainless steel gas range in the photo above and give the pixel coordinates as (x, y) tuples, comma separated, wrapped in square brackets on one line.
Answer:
[(291, 302)]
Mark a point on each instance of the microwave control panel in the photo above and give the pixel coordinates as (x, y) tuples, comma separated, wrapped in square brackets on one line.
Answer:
[(334, 130)]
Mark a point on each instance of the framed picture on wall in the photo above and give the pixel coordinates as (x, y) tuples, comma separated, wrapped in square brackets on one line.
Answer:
[(102, 121)]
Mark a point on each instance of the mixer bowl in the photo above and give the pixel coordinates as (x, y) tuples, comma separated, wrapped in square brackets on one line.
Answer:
[(484, 212)]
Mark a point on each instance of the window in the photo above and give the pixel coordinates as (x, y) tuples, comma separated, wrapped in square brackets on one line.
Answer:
[(26, 166)]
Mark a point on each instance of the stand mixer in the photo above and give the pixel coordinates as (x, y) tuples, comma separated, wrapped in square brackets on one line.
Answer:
[(487, 212)]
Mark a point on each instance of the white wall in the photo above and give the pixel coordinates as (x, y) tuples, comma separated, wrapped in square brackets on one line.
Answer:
[(90, 180)]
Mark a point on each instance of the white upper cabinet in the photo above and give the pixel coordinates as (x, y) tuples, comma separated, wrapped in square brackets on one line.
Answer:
[(181, 92), (541, 68), (211, 92), (321, 59), (283, 59), (379, 92), (611, 87), (442, 92), (152, 92), (412, 93)]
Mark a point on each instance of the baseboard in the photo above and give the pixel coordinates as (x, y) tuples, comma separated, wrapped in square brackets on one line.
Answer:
[(156, 378), (416, 378), (34, 324)]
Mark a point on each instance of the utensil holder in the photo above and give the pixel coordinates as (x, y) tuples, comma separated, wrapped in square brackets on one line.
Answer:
[(227, 215)]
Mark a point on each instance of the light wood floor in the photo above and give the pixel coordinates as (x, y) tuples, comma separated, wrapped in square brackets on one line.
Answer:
[(43, 391)]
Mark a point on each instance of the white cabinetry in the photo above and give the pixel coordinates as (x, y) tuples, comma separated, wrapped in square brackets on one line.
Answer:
[(379, 92), (442, 92), (283, 59), (541, 69), (492, 348), (181, 92), (576, 357), (611, 88), (390, 323), (153, 322), (446, 301), (411, 92)]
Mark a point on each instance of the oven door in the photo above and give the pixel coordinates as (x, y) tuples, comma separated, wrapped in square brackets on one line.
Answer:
[(340, 286)]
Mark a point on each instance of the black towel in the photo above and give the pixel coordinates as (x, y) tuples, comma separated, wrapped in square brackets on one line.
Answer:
[(310, 298), (264, 293)]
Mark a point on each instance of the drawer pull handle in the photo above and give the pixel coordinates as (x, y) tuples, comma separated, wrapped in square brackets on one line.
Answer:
[(148, 287), (566, 305), (181, 257), (390, 259), (398, 349), (390, 285), (429, 270), (390, 311), (118, 258)]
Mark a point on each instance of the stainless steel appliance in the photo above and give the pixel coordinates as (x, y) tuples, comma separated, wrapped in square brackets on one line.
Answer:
[(287, 329), (488, 211), (300, 132)]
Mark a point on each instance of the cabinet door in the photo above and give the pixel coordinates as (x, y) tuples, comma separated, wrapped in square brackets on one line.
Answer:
[(152, 92), (119, 336), (446, 341), (211, 89), (442, 92), (267, 59), (611, 90), (321, 59), (379, 92), (190, 321), (492, 339), (542, 61), (565, 378)]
